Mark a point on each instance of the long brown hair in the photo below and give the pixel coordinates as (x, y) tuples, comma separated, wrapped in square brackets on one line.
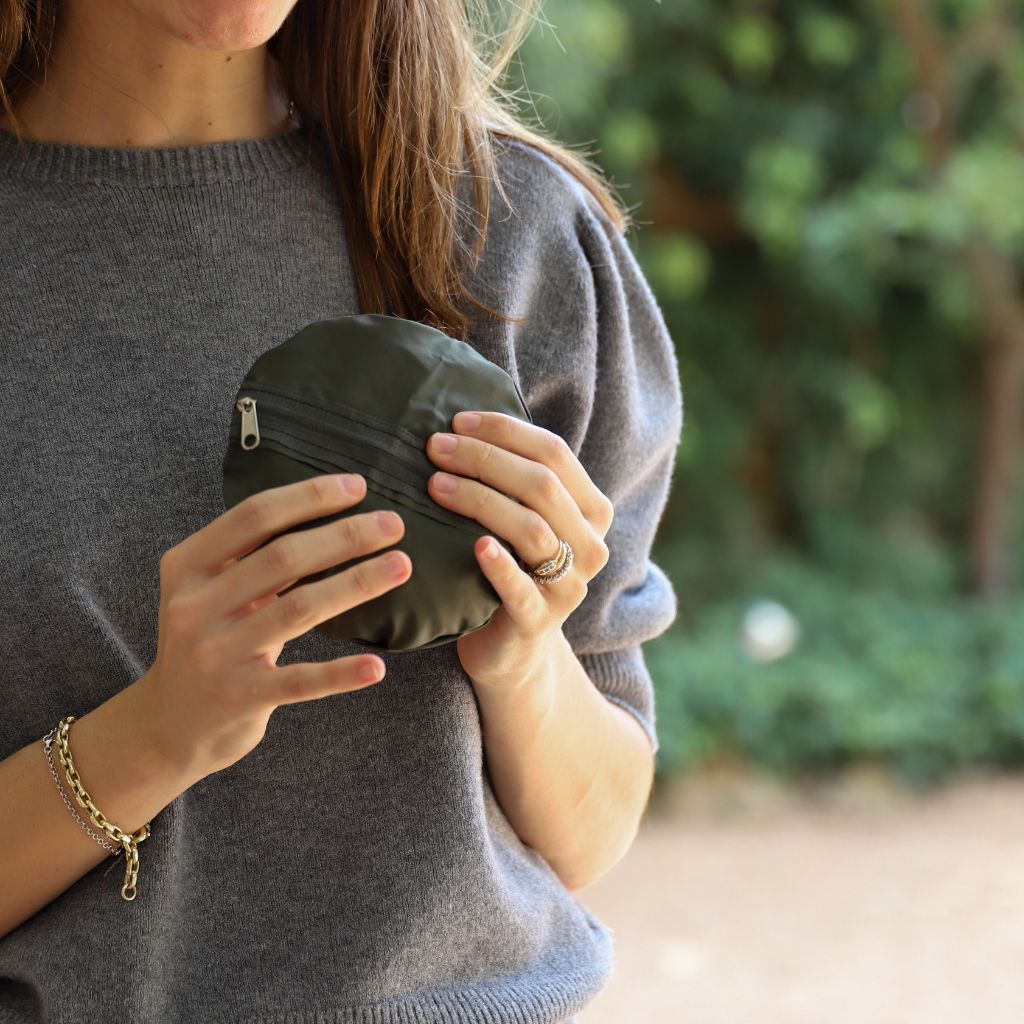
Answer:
[(407, 100)]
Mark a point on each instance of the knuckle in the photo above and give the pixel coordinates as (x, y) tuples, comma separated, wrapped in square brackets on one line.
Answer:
[(485, 452), (363, 580), (254, 511), (349, 533), (512, 432), (504, 427), (555, 448), (540, 535), (319, 490), (282, 558), (525, 604), (295, 685), (548, 484), (297, 607), (598, 555), (606, 509), (480, 498)]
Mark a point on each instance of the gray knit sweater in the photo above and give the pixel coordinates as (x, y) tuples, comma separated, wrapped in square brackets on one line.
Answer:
[(355, 867)]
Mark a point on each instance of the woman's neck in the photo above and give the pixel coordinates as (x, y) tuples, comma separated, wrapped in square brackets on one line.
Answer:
[(118, 79)]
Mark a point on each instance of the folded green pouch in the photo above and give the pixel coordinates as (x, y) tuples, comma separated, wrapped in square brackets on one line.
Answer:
[(362, 394)]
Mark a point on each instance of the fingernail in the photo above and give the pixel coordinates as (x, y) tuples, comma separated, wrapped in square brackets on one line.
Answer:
[(388, 523), (444, 483), (467, 421), (351, 483), (369, 670), (395, 564), (491, 551), (444, 442)]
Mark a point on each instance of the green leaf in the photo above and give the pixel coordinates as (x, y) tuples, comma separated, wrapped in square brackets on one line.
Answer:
[(753, 43), (680, 264), (827, 39)]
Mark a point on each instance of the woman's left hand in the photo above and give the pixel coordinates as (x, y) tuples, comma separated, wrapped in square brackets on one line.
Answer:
[(498, 459)]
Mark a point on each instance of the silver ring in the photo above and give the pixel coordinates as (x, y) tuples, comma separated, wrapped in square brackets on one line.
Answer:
[(555, 568)]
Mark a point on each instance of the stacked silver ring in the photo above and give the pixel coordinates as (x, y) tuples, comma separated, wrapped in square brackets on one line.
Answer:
[(554, 569)]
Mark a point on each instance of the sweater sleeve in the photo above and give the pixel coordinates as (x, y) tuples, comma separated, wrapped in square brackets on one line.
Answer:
[(599, 367), (629, 443)]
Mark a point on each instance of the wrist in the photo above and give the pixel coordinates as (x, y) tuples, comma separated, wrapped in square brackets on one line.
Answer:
[(160, 746), (531, 672), (126, 772), (530, 692)]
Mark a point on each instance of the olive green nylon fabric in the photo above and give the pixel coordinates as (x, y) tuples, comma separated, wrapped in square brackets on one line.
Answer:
[(407, 380)]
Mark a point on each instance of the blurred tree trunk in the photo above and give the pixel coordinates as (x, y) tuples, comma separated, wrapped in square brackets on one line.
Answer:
[(673, 203), (1002, 385), (1001, 380)]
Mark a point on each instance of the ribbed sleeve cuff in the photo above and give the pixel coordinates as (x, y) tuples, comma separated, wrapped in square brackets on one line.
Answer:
[(624, 679)]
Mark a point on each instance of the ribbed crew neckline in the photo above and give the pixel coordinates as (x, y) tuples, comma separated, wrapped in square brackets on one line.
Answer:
[(205, 163)]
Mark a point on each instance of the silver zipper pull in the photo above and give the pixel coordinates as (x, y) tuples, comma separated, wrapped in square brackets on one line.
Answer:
[(250, 425)]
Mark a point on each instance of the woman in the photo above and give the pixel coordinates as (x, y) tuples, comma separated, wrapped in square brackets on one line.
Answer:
[(183, 185)]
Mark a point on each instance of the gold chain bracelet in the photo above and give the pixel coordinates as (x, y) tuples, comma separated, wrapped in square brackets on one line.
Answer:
[(47, 745), (128, 841)]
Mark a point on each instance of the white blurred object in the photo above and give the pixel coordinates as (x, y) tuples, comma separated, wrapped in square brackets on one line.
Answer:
[(769, 631), (678, 960)]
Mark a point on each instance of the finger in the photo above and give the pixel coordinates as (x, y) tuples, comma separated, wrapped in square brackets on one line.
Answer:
[(290, 684), (260, 602), (520, 595), (263, 515), (530, 483), (529, 533), (548, 448), (301, 609), (296, 555)]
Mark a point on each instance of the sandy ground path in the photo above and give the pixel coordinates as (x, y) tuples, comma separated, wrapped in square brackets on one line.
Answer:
[(743, 904)]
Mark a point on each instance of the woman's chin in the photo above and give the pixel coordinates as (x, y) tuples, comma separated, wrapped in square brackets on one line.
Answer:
[(227, 25)]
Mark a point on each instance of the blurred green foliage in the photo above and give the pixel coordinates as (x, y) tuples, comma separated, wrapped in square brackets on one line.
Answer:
[(812, 181), (924, 687)]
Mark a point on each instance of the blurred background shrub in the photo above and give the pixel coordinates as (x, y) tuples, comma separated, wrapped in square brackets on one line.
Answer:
[(830, 200)]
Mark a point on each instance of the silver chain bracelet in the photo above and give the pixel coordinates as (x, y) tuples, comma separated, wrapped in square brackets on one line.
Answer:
[(47, 745)]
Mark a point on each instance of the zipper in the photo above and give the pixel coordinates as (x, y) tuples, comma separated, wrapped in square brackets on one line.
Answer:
[(250, 436), (372, 428), (337, 438), (333, 429)]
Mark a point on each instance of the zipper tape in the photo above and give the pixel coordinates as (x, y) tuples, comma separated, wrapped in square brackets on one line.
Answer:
[(407, 463), (407, 486), (373, 483), (340, 431), (372, 426)]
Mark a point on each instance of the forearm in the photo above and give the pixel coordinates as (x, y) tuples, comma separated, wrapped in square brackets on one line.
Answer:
[(571, 770), (43, 849)]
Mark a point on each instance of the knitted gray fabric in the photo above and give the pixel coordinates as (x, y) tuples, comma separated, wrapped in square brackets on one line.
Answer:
[(355, 867)]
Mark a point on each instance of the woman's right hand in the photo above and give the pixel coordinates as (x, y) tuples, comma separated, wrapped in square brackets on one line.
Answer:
[(215, 680)]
